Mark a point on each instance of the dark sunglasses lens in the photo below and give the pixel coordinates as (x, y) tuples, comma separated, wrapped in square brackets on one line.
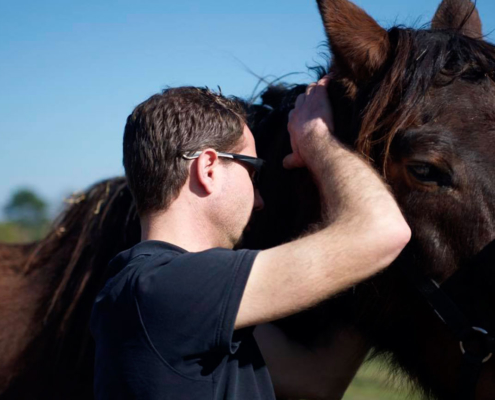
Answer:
[(253, 162), (257, 166)]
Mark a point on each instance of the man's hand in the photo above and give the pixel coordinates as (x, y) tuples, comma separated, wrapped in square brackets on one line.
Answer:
[(362, 230), (310, 125)]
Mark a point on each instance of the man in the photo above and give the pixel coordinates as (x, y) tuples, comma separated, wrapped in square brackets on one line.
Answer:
[(177, 321)]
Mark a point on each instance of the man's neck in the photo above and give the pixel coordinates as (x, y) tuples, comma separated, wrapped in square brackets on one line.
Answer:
[(178, 226)]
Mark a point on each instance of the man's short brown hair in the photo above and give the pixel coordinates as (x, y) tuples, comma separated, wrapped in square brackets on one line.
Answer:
[(165, 126)]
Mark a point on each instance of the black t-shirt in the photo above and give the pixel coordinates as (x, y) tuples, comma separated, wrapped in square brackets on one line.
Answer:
[(164, 327)]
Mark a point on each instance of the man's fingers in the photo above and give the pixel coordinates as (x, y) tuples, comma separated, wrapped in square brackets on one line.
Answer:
[(325, 80), (309, 88), (287, 162), (293, 161), (315, 87), (300, 100)]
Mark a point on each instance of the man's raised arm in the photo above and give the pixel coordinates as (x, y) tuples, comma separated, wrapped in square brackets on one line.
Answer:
[(363, 229)]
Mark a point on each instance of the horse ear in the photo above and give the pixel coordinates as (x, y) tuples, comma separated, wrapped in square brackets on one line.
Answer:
[(359, 45), (458, 14)]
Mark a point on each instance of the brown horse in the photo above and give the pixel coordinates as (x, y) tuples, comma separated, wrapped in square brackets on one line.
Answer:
[(418, 103), (47, 290)]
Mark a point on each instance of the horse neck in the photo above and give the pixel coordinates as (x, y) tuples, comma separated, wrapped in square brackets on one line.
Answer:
[(12, 256), (37, 325), (20, 296), (42, 335)]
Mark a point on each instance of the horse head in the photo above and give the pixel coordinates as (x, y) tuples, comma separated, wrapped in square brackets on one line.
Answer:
[(420, 106)]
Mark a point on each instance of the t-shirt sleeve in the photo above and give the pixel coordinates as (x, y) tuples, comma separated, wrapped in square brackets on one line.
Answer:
[(190, 304)]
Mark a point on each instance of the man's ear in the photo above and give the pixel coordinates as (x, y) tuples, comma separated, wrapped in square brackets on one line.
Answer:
[(206, 168)]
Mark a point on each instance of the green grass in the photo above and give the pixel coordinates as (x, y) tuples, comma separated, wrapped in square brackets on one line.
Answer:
[(10, 232), (374, 382)]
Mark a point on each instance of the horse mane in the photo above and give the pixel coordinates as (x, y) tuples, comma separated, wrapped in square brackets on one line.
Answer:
[(97, 225), (419, 60), (391, 100), (76, 233)]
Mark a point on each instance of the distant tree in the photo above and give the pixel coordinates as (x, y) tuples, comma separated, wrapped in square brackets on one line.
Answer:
[(26, 209)]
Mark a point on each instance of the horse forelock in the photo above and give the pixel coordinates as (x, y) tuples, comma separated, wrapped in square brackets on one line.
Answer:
[(419, 61)]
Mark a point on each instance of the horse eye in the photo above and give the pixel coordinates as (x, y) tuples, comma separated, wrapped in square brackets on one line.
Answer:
[(429, 174), (420, 171)]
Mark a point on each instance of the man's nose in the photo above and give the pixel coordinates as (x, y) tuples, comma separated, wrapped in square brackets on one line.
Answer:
[(259, 204)]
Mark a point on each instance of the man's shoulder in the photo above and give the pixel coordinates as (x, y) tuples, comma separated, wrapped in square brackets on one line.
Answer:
[(175, 266), (155, 265), (155, 251), (169, 279), (143, 252), (152, 248), (127, 266)]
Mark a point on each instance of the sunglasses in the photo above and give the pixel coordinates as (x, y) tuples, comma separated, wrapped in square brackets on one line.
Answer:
[(255, 164)]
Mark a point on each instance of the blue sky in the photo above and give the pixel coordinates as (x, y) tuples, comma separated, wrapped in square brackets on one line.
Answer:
[(71, 72)]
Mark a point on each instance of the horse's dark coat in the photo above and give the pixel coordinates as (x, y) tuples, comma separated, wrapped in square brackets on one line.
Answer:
[(45, 302), (420, 104)]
